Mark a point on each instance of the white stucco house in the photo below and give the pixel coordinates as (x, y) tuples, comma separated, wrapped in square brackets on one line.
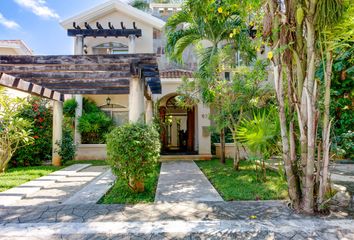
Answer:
[(187, 131)]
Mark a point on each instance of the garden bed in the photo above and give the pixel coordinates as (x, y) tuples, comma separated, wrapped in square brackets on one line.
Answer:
[(121, 193), (14, 177), (242, 184)]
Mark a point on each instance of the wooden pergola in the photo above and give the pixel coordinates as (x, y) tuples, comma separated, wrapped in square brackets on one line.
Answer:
[(79, 74), (60, 77)]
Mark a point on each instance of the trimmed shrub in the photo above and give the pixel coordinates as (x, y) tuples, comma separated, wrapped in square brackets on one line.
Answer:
[(133, 150)]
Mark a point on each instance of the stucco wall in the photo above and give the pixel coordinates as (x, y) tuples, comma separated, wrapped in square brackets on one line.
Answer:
[(143, 44), (230, 151), (91, 152)]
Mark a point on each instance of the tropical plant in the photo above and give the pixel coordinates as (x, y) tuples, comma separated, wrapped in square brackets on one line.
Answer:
[(69, 108), (133, 151), (93, 127), (37, 111), (14, 129), (292, 29), (260, 134)]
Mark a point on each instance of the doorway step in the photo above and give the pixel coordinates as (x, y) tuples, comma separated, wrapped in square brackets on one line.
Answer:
[(166, 158)]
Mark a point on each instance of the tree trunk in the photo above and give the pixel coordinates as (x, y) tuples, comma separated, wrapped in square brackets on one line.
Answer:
[(222, 146), (310, 92), (236, 157), (326, 128)]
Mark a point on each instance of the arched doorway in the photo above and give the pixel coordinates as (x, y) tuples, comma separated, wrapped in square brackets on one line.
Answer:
[(177, 127)]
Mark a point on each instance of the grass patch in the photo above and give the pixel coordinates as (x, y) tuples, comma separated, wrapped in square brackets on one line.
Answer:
[(93, 162), (16, 176), (242, 184), (121, 193)]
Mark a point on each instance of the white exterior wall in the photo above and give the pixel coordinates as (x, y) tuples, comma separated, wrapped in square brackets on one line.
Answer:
[(143, 44)]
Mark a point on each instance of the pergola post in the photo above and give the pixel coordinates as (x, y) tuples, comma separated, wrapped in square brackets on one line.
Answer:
[(57, 131), (149, 112), (136, 99), (131, 45), (79, 50)]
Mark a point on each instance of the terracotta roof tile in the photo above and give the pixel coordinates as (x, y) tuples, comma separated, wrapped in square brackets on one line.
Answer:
[(176, 73)]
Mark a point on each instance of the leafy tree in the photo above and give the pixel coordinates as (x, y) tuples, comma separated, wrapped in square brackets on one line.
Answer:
[(14, 130)]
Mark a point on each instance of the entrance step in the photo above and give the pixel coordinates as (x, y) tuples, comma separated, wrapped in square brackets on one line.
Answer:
[(166, 158)]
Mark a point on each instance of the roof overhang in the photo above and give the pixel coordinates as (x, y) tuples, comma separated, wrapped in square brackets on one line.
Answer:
[(108, 7)]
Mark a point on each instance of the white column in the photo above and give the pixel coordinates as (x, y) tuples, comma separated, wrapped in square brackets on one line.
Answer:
[(136, 100), (57, 131), (149, 112), (79, 50), (131, 45), (203, 123), (78, 114), (79, 45)]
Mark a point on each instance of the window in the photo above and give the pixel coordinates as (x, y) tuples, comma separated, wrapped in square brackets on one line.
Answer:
[(110, 48), (118, 113)]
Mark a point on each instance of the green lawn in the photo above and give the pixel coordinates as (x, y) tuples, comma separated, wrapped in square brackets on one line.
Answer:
[(16, 176), (121, 193), (242, 184)]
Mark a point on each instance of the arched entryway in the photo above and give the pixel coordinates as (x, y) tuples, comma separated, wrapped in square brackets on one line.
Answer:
[(177, 127)]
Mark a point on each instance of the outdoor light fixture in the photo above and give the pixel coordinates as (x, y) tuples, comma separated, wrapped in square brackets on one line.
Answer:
[(85, 49), (108, 101)]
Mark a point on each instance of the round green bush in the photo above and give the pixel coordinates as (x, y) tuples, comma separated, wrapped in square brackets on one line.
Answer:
[(133, 151)]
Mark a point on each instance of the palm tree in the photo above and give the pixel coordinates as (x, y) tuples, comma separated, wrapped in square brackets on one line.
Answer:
[(209, 24)]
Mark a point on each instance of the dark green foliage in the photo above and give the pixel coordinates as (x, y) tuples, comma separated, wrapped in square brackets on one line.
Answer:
[(93, 127), (40, 150), (67, 147), (69, 108), (93, 124), (133, 150), (342, 93), (89, 106)]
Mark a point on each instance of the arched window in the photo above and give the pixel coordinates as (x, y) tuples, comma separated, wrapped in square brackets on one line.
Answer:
[(110, 48)]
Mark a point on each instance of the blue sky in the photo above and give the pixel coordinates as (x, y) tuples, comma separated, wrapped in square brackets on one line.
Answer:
[(36, 22)]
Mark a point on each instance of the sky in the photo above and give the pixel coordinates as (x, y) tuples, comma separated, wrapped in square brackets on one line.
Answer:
[(36, 22)]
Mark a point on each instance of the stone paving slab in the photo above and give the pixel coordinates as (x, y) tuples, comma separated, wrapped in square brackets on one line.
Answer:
[(93, 192), (183, 181), (182, 220), (61, 189), (184, 211), (229, 229), (15, 194)]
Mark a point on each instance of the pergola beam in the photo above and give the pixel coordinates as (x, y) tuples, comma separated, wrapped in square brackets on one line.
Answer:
[(28, 87)]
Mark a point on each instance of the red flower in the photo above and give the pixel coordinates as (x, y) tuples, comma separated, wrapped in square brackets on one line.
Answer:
[(35, 137), (40, 119)]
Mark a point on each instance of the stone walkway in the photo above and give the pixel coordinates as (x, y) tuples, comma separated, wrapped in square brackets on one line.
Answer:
[(183, 181), (183, 220), (60, 186)]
